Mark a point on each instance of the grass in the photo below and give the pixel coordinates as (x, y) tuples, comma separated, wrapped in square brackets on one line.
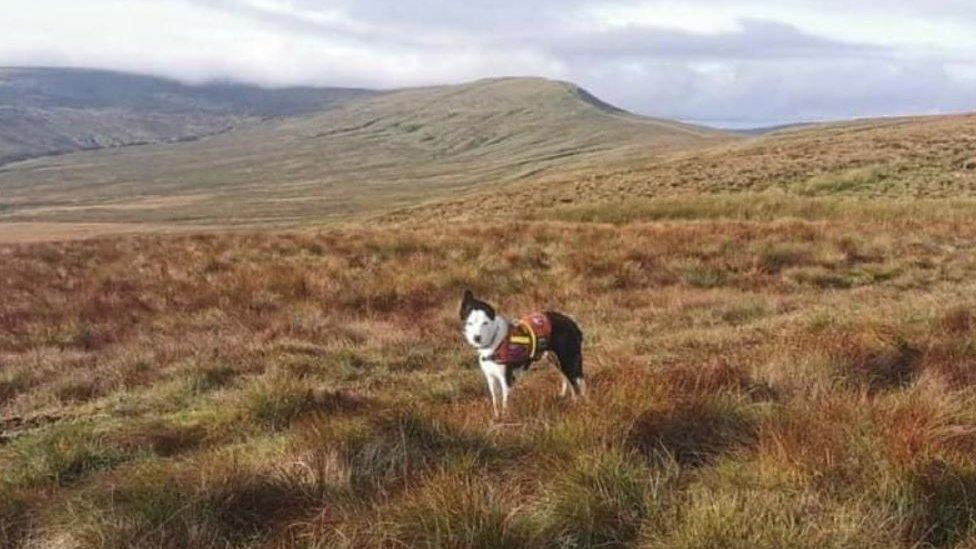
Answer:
[(818, 173), (754, 382), (766, 206), (458, 511), (602, 500), (852, 180), (60, 455)]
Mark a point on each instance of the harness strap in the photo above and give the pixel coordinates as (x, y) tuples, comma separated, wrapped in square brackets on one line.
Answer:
[(524, 341), (531, 339)]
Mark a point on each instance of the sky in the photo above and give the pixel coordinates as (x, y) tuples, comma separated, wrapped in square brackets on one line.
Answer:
[(731, 63)]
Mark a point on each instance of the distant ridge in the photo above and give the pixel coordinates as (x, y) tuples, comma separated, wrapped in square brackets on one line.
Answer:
[(45, 111)]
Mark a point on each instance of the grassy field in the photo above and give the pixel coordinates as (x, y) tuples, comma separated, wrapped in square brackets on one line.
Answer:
[(755, 382)]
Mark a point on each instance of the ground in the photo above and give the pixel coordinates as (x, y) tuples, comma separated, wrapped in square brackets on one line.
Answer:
[(764, 371)]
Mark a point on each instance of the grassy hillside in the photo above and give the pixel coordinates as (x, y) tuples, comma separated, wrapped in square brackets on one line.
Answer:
[(513, 147), (46, 111), (899, 160), (363, 157)]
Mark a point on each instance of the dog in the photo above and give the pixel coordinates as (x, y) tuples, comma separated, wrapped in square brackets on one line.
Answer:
[(507, 348)]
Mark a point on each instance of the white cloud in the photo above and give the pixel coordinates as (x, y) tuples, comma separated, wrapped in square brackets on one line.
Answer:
[(748, 61)]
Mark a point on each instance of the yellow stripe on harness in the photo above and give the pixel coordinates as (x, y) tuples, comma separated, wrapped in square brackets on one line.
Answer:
[(529, 340)]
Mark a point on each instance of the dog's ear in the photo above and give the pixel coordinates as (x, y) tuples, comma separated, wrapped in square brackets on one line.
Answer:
[(466, 304)]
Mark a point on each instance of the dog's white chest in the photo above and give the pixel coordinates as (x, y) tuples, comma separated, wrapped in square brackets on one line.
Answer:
[(490, 368)]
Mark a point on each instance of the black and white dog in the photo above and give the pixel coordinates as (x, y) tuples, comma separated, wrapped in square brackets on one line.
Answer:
[(506, 348)]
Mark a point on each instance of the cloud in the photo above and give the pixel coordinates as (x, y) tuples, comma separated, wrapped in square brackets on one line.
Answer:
[(735, 62), (752, 93), (754, 39)]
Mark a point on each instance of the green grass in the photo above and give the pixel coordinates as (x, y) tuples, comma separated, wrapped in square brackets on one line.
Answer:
[(456, 510), (61, 454), (603, 500), (941, 502), (845, 182)]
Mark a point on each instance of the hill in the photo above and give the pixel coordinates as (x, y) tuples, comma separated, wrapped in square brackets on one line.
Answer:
[(364, 156), (895, 159), (45, 111), (518, 147)]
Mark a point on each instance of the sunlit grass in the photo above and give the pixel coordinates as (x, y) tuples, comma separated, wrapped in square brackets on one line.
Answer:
[(753, 383)]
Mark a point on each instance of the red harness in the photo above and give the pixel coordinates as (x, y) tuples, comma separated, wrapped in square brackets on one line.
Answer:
[(526, 341)]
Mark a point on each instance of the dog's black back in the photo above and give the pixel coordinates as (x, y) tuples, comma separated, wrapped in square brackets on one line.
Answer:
[(566, 343)]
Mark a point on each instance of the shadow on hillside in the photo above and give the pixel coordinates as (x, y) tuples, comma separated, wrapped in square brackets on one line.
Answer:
[(878, 368), (693, 433), (943, 506)]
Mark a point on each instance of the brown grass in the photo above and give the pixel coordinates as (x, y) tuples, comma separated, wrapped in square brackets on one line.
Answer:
[(760, 383), (20, 233)]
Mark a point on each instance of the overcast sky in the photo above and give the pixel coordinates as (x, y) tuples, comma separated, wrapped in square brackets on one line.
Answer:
[(725, 62)]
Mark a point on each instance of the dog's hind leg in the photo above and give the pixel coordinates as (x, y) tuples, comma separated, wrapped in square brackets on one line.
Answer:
[(575, 377), (564, 390), (572, 376), (576, 389)]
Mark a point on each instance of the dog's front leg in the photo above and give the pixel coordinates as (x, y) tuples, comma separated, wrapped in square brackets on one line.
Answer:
[(505, 391), (494, 393)]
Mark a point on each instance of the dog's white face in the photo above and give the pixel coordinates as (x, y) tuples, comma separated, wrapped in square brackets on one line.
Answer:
[(479, 328), (481, 325)]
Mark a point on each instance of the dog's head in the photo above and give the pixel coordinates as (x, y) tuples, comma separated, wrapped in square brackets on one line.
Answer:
[(480, 321)]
